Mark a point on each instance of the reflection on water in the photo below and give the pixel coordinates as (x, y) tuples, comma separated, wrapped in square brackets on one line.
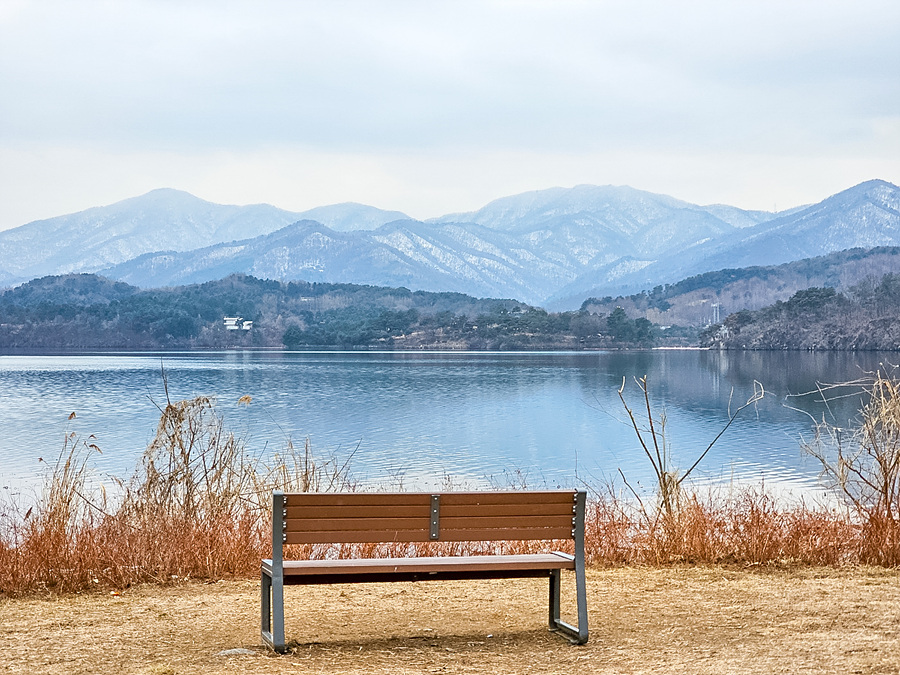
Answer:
[(422, 419)]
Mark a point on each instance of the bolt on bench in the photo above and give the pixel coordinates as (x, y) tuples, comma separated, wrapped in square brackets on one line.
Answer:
[(322, 518)]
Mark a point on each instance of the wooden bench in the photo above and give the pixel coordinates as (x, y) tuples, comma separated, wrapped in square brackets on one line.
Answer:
[(321, 518)]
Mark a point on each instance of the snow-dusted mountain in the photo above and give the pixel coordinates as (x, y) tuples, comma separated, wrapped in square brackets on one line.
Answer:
[(554, 246), (599, 225), (351, 216), (617, 208), (163, 219), (526, 246), (404, 253), (99, 237), (863, 216)]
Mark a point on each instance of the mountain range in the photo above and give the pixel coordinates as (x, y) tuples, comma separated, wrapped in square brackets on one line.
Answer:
[(550, 247)]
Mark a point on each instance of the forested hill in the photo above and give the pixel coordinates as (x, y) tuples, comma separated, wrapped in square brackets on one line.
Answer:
[(699, 300), (85, 311), (865, 316)]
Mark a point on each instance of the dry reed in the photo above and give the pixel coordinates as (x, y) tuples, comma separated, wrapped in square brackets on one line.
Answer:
[(198, 507), (862, 463)]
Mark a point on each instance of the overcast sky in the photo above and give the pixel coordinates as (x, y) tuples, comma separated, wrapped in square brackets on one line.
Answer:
[(434, 107)]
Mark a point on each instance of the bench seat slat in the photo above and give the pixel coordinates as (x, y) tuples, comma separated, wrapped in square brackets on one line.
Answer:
[(379, 499), (477, 563), (503, 522), (421, 510), (510, 533), (507, 510), (358, 511), (523, 497), (356, 536), (447, 523), (419, 535), (349, 524), (424, 498)]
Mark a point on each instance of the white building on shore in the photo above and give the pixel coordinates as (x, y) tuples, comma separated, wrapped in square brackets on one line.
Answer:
[(237, 323)]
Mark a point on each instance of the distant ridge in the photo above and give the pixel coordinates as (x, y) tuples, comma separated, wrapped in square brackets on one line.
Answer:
[(864, 216), (96, 238), (350, 216), (550, 247), (624, 208)]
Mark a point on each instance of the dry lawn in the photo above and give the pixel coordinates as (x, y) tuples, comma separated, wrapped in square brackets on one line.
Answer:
[(643, 620)]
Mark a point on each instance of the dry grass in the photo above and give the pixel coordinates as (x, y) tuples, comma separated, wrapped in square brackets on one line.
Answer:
[(198, 508), (698, 620), (747, 528), (863, 463)]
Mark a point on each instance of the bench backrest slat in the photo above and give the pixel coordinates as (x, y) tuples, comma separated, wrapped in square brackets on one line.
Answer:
[(407, 517)]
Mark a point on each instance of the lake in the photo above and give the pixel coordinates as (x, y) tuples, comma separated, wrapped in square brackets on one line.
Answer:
[(423, 420)]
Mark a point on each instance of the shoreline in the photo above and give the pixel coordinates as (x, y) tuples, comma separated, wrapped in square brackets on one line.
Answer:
[(115, 351)]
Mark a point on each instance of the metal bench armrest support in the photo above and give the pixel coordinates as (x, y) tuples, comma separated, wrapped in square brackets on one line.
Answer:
[(272, 584)]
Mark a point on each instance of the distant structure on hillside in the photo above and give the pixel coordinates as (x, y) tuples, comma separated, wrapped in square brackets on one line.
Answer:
[(237, 323)]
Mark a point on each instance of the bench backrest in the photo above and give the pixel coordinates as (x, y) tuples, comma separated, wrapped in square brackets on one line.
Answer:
[(358, 517)]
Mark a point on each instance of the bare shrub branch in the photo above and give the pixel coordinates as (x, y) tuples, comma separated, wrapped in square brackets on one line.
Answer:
[(862, 462)]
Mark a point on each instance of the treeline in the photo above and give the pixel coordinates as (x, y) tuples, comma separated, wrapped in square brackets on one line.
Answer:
[(88, 311), (521, 327), (864, 317)]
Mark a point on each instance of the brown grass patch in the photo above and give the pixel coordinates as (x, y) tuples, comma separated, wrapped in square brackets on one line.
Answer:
[(643, 620)]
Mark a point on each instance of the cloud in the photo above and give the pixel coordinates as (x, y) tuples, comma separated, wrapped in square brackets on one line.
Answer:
[(430, 82)]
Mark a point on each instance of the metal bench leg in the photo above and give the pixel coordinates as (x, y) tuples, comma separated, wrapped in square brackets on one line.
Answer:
[(272, 612), (278, 615), (581, 599), (576, 634), (265, 608), (554, 599)]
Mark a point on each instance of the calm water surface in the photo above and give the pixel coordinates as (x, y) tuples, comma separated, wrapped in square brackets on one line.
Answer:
[(421, 420)]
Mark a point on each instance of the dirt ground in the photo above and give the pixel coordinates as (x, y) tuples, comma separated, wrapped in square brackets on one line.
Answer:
[(690, 620)]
